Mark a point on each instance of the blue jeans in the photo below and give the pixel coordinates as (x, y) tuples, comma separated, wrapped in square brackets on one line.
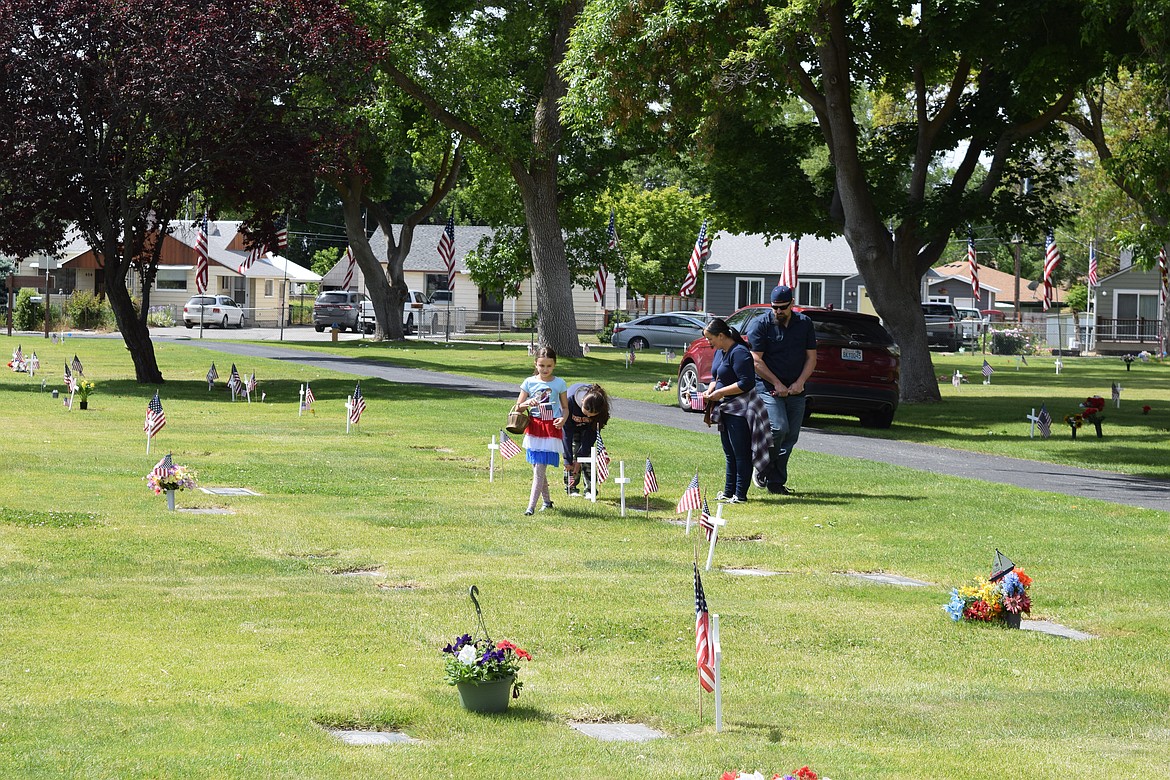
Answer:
[(785, 415), (737, 446)]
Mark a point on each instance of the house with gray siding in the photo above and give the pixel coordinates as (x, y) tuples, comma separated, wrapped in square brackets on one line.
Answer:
[(1129, 311)]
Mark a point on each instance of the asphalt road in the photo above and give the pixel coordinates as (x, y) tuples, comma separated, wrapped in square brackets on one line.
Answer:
[(1048, 477)]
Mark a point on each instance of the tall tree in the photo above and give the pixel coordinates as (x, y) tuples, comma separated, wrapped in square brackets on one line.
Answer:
[(979, 79), (117, 112), (490, 72)]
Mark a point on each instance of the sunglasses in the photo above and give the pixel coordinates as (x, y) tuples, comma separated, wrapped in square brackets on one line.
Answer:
[(782, 306)]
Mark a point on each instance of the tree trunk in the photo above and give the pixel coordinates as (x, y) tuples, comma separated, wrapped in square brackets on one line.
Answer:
[(556, 321), (386, 299), (135, 333)]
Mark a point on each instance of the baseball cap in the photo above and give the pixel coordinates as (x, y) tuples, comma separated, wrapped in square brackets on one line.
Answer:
[(782, 294)]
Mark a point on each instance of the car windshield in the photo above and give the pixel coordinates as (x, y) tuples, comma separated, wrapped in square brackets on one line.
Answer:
[(333, 297)]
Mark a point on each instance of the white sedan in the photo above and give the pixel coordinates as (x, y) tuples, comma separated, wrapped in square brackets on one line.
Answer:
[(218, 310)]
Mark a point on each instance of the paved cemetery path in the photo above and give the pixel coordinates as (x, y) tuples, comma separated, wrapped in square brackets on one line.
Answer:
[(1035, 475)]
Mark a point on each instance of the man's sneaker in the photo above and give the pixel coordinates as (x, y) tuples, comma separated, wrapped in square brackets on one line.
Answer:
[(720, 496), (759, 480), (781, 490), (735, 500)]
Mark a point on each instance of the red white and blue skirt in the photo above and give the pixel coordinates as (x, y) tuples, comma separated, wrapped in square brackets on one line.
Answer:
[(543, 443)]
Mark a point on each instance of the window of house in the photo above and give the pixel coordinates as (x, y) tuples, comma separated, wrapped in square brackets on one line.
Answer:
[(810, 292), (749, 290), (170, 279), (65, 280), (267, 288)]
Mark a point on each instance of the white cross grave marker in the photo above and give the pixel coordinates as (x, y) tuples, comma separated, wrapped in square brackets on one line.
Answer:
[(492, 455), (1034, 418), (621, 481)]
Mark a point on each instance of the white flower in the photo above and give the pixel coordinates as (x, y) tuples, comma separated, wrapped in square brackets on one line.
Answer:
[(468, 654)]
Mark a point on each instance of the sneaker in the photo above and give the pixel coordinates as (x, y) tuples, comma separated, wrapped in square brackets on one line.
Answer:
[(735, 500), (546, 505), (720, 496), (781, 490), (758, 480), (528, 512)]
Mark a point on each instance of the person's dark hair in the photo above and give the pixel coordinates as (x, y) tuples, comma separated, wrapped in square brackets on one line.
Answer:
[(719, 327), (595, 402)]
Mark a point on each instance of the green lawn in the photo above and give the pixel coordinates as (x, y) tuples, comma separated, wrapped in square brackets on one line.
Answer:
[(144, 643)]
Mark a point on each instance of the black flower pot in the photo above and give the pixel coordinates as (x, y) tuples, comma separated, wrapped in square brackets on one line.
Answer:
[(1011, 619), (85, 404)]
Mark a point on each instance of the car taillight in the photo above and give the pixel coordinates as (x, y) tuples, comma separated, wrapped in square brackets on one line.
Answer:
[(215, 310), (618, 328), (184, 309)]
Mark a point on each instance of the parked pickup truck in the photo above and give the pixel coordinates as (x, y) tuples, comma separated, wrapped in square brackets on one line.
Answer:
[(417, 311), (942, 325)]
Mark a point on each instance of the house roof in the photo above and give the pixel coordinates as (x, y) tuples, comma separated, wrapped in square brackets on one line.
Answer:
[(1003, 283), (737, 253), (424, 253)]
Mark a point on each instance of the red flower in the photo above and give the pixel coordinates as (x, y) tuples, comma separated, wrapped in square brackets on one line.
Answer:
[(1145, 410), (979, 610), (728, 776), (804, 773), (504, 644)]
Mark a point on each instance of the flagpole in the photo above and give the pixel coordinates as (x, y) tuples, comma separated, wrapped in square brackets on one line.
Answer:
[(698, 678), (593, 474)]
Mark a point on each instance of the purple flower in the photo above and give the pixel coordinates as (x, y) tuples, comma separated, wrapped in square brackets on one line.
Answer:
[(459, 643)]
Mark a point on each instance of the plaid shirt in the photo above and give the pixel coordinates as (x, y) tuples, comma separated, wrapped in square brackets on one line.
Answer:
[(751, 406)]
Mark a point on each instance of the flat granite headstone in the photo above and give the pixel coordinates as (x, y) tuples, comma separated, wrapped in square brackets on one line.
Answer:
[(361, 573), (229, 491), (1055, 629), (207, 510), (751, 572), (618, 732), (889, 579), (355, 737)]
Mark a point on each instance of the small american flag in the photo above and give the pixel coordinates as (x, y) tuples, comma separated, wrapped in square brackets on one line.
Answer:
[(508, 447), (251, 386), (281, 226), (235, 384), (156, 419), (308, 396), (690, 496), (789, 275), (630, 356), (987, 370), (163, 467), (700, 253), (351, 262), (1023, 360), (77, 366), (357, 404), (650, 483), (1165, 274), (704, 651), (1092, 280), (602, 460), (201, 256), (212, 375), (447, 250), (973, 264), (1044, 422), (68, 401), (705, 521), (698, 402), (34, 363), (1051, 261), (18, 355), (546, 411), (601, 279), (70, 380)]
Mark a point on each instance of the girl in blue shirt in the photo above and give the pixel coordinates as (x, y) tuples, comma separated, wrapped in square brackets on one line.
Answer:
[(546, 398)]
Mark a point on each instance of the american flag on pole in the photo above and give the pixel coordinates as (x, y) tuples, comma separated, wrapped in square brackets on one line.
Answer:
[(163, 467), (1051, 261), (351, 261), (508, 448), (201, 256), (34, 363), (1092, 280), (254, 254), (973, 264), (1165, 274), (18, 355), (1044, 422), (704, 649), (308, 396), (235, 384), (690, 496), (357, 404), (602, 460), (705, 520), (281, 226), (77, 366), (987, 370), (156, 420), (790, 273), (212, 375), (601, 279), (251, 386), (447, 250), (700, 253), (650, 482), (70, 380)]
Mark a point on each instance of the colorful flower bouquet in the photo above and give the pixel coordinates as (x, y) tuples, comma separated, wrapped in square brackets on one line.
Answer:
[(479, 661), (171, 478), (804, 773), (663, 385), (985, 601)]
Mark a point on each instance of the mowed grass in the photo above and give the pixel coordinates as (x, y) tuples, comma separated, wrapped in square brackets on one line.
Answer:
[(144, 643)]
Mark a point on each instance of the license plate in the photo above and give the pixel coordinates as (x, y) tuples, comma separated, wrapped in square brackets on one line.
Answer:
[(851, 354)]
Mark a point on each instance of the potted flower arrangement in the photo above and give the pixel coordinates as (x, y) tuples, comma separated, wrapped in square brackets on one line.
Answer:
[(84, 388), (804, 773), (169, 477), (1074, 421), (988, 601), (484, 672)]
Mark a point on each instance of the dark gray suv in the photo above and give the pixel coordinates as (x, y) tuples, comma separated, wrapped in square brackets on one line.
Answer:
[(339, 309)]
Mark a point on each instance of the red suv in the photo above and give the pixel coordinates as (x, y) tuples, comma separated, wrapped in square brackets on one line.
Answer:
[(857, 365)]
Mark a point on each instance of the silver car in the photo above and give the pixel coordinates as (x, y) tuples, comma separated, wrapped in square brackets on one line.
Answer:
[(673, 330), (219, 310), (339, 309)]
